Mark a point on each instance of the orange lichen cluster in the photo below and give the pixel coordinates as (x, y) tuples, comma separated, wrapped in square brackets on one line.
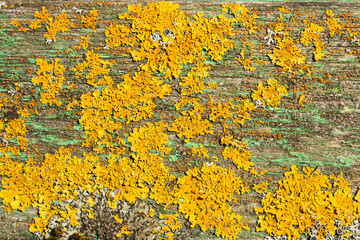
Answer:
[(243, 17), (90, 20), (51, 77), (60, 23), (175, 42), (271, 94), (332, 23), (238, 154), (202, 195), (311, 33), (190, 123), (286, 54), (245, 62), (84, 42), (304, 201), (96, 68)]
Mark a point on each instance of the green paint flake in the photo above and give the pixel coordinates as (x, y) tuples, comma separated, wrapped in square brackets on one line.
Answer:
[(173, 157), (210, 62), (49, 138), (209, 144), (78, 127), (36, 127), (67, 142), (21, 155), (31, 60)]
